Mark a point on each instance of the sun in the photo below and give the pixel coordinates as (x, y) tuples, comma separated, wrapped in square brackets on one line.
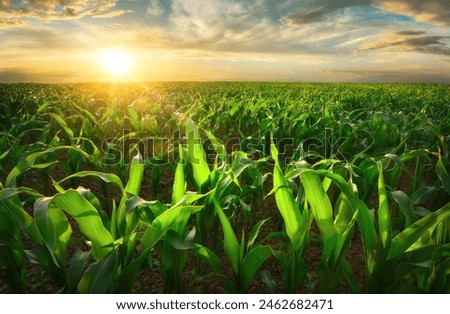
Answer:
[(115, 61)]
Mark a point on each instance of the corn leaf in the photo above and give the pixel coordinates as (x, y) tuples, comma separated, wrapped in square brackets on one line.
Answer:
[(54, 228), (406, 206), (88, 219), (364, 217), (128, 275), (296, 222), (384, 214), (179, 184), (196, 154), (230, 242), (31, 161), (11, 206), (252, 262), (99, 276), (135, 176), (208, 256), (254, 232), (443, 175), (63, 125), (321, 209), (408, 237), (164, 222), (78, 264), (106, 177), (132, 188)]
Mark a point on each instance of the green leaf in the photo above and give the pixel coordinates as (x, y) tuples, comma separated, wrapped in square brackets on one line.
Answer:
[(408, 237), (254, 232), (54, 228), (165, 221), (106, 177), (384, 213), (10, 205), (364, 217), (218, 146), (321, 209), (179, 183), (351, 278), (297, 223), (128, 275), (208, 256), (443, 175), (398, 161), (30, 161), (135, 176), (64, 126), (133, 187), (99, 276), (196, 154), (406, 206), (10, 192), (79, 262), (252, 262), (89, 221), (230, 242)]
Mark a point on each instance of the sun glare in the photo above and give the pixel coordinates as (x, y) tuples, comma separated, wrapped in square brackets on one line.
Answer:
[(115, 61)]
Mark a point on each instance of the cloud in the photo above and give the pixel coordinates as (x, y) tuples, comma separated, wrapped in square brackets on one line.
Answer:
[(320, 10), (411, 41), (110, 14), (410, 33), (39, 39), (431, 11), (11, 23), (50, 10), (212, 24), (253, 26)]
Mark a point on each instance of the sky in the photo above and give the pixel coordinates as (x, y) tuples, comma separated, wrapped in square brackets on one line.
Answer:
[(226, 40)]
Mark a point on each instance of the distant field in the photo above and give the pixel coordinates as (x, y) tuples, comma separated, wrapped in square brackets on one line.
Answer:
[(224, 187)]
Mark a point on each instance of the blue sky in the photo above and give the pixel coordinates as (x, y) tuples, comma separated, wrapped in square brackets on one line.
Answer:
[(270, 40)]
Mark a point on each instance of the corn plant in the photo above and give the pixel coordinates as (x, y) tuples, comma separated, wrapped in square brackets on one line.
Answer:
[(244, 258)]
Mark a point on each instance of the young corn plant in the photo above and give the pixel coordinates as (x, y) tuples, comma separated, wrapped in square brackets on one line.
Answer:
[(297, 222), (14, 223), (400, 256), (336, 226), (136, 225), (245, 259)]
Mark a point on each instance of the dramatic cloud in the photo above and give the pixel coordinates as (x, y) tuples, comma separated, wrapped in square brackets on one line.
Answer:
[(430, 11), (320, 10), (411, 41), (222, 39), (58, 9)]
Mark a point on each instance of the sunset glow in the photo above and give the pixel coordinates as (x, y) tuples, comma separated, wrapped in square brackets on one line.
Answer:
[(218, 40), (115, 61)]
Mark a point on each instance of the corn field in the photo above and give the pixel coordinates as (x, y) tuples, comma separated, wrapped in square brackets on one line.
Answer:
[(224, 187)]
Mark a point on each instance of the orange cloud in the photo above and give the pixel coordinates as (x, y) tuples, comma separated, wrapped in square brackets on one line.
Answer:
[(411, 41), (431, 11), (59, 9)]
